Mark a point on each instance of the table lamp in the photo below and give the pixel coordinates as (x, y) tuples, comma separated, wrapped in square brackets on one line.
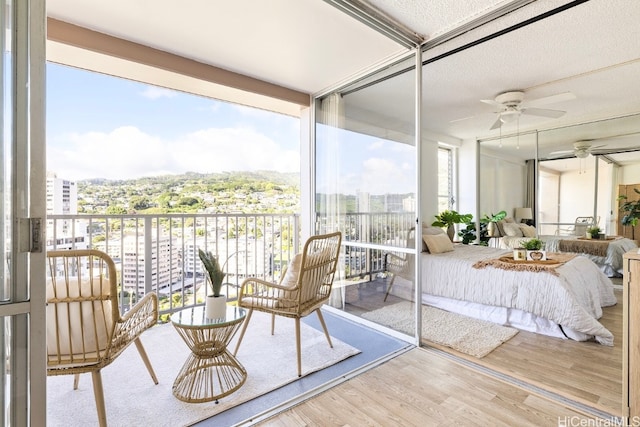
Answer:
[(524, 214)]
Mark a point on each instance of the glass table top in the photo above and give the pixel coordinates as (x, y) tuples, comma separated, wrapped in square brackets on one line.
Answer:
[(195, 316)]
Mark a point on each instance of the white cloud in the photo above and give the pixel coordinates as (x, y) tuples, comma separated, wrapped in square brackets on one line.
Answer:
[(155, 92), (127, 152), (381, 176)]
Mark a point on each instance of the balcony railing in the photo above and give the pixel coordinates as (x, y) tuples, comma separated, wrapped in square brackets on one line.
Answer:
[(159, 253)]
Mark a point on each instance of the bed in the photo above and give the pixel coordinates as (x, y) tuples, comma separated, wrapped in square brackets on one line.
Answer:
[(564, 304), (609, 261)]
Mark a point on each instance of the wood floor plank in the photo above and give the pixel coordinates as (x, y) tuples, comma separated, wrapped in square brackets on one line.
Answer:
[(425, 389), (584, 371)]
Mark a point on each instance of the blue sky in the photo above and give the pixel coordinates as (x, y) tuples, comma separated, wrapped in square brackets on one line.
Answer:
[(100, 126), (104, 127)]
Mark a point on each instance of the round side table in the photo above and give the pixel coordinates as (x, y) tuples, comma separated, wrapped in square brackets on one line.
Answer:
[(210, 372)]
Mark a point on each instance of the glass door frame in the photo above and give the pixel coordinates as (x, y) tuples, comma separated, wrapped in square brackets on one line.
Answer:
[(22, 308)]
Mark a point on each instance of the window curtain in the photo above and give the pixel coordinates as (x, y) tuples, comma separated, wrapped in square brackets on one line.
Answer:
[(530, 188), (331, 119)]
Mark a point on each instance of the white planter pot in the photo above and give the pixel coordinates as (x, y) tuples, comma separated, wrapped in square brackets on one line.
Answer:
[(519, 254), (215, 307)]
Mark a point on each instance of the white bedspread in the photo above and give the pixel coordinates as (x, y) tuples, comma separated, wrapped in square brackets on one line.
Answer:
[(574, 299)]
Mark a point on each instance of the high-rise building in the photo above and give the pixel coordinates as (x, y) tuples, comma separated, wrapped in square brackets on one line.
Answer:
[(62, 199), (159, 266)]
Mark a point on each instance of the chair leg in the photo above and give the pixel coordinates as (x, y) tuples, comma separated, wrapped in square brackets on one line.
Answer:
[(298, 347), (244, 329), (76, 381), (273, 323), (99, 396), (389, 288), (145, 359), (324, 326)]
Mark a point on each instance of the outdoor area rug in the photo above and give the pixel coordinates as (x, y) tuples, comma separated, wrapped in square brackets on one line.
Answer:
[(131, 398), (464, 334)]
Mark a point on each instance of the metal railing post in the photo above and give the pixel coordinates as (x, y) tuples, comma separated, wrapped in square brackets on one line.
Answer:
[(148, 255)]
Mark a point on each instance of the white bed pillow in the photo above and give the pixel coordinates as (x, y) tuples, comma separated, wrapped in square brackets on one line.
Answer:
[(512, 229), (528, 230), (438, 243)]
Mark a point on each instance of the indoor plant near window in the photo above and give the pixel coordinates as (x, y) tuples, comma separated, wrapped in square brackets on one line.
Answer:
[(534, 250), (215, 302), (593, 232), (491, 221), (632, 209), (449, 218)]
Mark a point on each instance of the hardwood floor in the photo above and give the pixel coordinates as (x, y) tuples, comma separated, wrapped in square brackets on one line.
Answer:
[(586, 372), (426, 389)]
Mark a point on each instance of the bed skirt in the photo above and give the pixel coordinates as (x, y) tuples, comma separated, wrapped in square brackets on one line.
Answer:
[(505, 316)]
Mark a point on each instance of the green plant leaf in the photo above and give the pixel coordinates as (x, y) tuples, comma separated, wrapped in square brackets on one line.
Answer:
[(215, 275)]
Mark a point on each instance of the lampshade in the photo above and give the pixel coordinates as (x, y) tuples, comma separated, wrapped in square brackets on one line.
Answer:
[(523, 213)]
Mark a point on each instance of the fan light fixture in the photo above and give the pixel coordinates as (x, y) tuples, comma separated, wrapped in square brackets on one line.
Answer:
[(581, 154), (509, 116)]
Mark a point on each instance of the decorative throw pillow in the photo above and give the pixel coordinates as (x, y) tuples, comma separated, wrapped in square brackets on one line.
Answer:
[(512, 229), (500, 225), (429, 231), (528, 230), (438, 243), (293, 269), (84, 326)]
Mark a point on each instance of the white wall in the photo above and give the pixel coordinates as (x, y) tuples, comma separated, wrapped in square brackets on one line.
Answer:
[(576, 194), (549, 187), (630, 174), (606, 188), (502, 184), (429, 183), (466, 185)]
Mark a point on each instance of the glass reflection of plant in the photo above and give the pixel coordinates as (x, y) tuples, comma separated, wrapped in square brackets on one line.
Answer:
[(632, 209)]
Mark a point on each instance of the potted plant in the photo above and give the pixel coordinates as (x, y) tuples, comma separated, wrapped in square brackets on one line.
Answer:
[(215, 302), (449, 218), (534, 250), (593, 232), (491, 220), (632, 209)]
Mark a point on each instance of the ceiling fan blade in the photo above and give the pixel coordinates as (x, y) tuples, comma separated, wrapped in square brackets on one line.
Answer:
[(561, 152), (496, 125), (560, 97), (543, 112), (492, 102), (616, 150)]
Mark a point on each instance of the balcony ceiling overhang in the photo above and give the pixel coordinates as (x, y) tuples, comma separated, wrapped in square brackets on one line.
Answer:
[(277, 54)]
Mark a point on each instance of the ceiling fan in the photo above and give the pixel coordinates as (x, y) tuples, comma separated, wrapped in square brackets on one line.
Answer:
[(510, 105), (581, 149), (584, 147)]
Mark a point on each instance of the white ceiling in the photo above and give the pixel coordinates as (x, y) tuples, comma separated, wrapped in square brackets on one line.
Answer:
[(591, 50)]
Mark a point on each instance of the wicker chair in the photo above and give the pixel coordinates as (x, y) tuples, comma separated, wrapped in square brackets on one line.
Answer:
[(85, 331), (579, 227), (303, 289), (400, 265)]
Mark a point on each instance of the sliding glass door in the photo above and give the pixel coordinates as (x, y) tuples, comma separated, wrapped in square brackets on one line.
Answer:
[(365, 186), (23, 375)]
